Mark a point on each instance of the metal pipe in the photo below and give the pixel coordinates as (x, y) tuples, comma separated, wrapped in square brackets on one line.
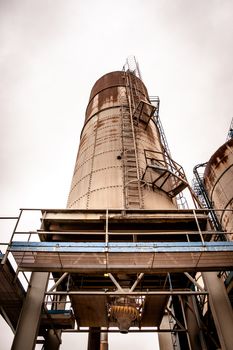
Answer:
[(58, 282), (194, 282), (116, 283), (141, 330), (185, 321), (172, 292), (136, 282)]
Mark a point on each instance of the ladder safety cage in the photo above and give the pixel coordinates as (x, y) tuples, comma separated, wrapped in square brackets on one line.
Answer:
[(201, 193), (132, 185), (155, 101)]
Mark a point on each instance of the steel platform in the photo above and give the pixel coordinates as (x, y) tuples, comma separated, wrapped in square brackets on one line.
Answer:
[(123, 257)]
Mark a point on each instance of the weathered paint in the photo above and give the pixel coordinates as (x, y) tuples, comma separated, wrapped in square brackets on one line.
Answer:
[(218, 179), (99, 174)]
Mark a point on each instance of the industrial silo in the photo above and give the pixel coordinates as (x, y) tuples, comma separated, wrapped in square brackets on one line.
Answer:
[(121, 161), (122, 252), (218, 180)]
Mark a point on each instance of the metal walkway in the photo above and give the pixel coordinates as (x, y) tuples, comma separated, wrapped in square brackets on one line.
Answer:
[(123, 257)]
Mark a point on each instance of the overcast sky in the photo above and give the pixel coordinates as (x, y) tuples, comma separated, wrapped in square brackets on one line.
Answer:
[(52, 52)]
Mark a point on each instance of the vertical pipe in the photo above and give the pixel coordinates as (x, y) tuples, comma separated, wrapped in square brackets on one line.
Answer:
[(185, 321), (199, 323), (104, 340), (182, 336), (195, 332)]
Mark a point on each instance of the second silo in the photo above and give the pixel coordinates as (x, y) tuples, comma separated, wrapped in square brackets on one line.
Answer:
[(218, 180)]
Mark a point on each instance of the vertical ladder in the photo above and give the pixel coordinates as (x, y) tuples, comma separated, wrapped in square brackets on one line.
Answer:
[(133, 196), (135, 98)]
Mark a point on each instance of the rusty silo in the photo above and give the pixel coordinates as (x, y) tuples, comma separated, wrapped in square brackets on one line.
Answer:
[(121, 161), (219, 185)]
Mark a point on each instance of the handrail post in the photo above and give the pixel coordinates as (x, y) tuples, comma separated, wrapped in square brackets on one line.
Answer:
[(198, 226), (11, 239)]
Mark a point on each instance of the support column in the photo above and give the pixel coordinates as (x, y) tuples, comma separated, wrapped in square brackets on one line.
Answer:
[(94, 338), (165, 338), (221, 309), (104, 341), (178, 306), (53, 336), (194, 326), (52, 340), (29, 321)]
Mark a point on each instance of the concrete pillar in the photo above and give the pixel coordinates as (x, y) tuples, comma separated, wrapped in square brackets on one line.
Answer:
[(221, 309), (29, 321), (94, 338), (52, 340)]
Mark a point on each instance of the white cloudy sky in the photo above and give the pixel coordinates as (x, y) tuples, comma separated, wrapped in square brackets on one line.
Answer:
[(52, 52)]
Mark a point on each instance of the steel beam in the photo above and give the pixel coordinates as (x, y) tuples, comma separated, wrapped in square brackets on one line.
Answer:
[(146, 292), (59, 281), (28, 325)]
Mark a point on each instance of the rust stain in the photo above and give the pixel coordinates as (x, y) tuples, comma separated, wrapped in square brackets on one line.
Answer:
[(107, 89), (219, 158)]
